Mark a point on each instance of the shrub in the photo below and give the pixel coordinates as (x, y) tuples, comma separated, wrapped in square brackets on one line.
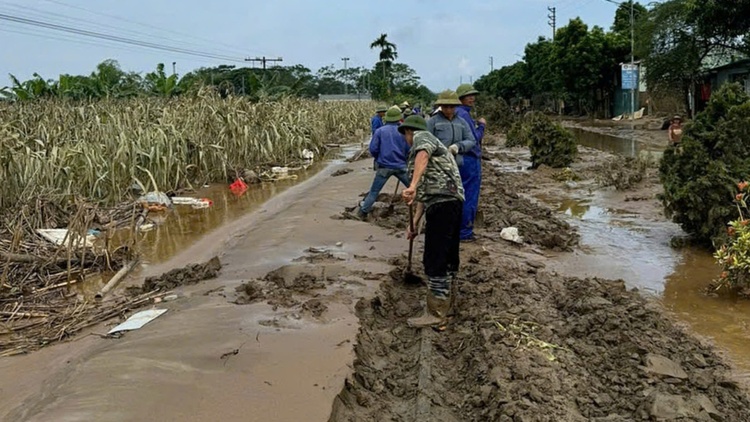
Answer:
[(734, 255), (550, 143), (699, 175), (518, 135), (496, 110)]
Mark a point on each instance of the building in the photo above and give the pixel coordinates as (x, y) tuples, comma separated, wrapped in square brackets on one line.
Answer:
[(737, 71)]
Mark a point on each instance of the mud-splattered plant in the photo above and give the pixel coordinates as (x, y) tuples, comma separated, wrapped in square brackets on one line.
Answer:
[(734, 256), (98, 149)]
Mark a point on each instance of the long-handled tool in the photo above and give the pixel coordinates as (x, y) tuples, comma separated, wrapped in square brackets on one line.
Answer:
[(409, 276), (394, 199)]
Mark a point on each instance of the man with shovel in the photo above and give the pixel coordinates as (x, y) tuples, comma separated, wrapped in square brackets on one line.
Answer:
[(436, 188), (389, 149)]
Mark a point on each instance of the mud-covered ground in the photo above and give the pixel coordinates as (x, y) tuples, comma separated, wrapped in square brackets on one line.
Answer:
[(528, 344)]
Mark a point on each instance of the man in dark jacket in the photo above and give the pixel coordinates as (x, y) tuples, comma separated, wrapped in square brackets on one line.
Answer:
[(377, 120), (452, 130), (390, 151), (471, 170)]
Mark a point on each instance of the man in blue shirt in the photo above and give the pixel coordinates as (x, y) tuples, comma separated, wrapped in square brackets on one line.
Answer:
[(377, 120), (390, 151), (471, 170)]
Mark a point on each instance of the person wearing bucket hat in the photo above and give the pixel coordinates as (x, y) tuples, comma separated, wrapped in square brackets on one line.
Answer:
[(452, 130), (436, 188), (471, 171), (377, 120), (675, 131), (389, 149)]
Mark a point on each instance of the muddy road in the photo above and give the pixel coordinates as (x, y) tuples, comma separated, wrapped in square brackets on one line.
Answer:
[(306, 319)]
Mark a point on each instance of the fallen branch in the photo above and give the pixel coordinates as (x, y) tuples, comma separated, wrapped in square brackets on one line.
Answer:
[(116, 279)]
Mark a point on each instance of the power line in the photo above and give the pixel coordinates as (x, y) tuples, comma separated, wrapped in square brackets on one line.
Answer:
[(99, 35), (77, 22), (84, 41), (241, 50)]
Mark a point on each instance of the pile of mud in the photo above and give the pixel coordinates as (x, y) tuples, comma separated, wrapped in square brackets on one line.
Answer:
[(527, 345), (192, 274), (501, 205)]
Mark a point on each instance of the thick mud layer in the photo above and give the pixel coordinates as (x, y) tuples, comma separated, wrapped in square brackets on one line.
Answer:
[(528, 345), (177, 277)]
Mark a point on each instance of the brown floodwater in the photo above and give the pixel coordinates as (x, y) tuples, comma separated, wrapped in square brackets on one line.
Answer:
[(620, 244)]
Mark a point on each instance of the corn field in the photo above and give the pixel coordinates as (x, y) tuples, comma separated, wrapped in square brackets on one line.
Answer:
[(97, 150)]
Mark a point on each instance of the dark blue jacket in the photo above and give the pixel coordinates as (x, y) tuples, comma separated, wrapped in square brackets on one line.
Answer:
[(389, 148), (478, 130), (375, 123)]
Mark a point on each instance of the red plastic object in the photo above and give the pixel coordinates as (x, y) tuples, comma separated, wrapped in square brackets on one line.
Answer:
[(238, 187)]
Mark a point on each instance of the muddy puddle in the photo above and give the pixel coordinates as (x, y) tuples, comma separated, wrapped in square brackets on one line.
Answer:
[(617, 243), (175, 230), (627, 145)]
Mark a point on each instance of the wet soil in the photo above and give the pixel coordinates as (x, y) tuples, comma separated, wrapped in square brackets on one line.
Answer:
[(191, 274), (529, 345)]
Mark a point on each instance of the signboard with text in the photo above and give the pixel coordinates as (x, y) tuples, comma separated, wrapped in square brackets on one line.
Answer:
[(629, 76)]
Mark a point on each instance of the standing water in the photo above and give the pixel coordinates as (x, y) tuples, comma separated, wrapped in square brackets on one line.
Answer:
[(619, 245)]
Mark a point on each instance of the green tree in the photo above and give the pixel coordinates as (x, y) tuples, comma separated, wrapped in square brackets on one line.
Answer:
[(388, 54), (158, 83)]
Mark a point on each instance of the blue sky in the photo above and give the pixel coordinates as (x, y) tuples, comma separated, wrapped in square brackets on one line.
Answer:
[(444, 41)]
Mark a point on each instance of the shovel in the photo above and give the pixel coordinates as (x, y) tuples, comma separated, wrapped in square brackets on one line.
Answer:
[(394, 199), (409, 276)]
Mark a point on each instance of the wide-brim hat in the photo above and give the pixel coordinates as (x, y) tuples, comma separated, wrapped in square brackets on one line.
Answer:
[(393, 115), (381, 109), (447, 98), (413, 122), (677, 117), (466, 89)]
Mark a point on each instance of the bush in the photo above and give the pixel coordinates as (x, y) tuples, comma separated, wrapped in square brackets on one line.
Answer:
[(497, 112), (550, 143), (518, 135), (734, 256), (699, 176)]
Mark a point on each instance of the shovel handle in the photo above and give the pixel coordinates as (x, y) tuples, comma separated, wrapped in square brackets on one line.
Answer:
[(411, 241)]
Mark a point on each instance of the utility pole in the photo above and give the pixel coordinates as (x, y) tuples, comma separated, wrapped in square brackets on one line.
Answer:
[(632, 59), (174, 68), (346, 86), (492, 63), (552, 20), (263, 60)]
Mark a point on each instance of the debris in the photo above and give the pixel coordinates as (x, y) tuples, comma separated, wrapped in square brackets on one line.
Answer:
[(203, 203), (238, 187), (155, 201), (511, 234), (341, 172), (60, 237), (307, 154), (116, 279), (138, 320)]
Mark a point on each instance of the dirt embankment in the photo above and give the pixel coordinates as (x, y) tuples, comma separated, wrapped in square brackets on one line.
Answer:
[(528, 344)]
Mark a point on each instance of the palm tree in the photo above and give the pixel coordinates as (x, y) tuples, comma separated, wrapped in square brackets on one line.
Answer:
[(388, 53)]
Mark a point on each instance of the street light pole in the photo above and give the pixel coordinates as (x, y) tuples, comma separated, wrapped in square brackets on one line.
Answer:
[(346, 86), (632, 58), (632, 53)]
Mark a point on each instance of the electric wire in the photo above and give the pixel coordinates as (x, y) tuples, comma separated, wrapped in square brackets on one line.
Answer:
[(115, 38)]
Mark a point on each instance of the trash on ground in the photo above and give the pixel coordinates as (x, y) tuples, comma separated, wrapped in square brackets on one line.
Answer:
[(511, 234), (58, 237), (238, 187), (146, 227), (138, 320), (307, 154), (203, 203), (155, 201), (341, 172), (280, 170), (184, 200)]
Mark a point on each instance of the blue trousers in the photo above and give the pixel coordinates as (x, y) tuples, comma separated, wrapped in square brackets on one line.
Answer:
[(381, 177), (471, 177)]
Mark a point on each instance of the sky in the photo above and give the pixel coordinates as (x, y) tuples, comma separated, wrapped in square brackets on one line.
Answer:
[(446, 42)]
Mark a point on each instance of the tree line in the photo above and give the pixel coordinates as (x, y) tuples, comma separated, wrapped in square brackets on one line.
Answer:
[(386, 80), (675, 40)]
